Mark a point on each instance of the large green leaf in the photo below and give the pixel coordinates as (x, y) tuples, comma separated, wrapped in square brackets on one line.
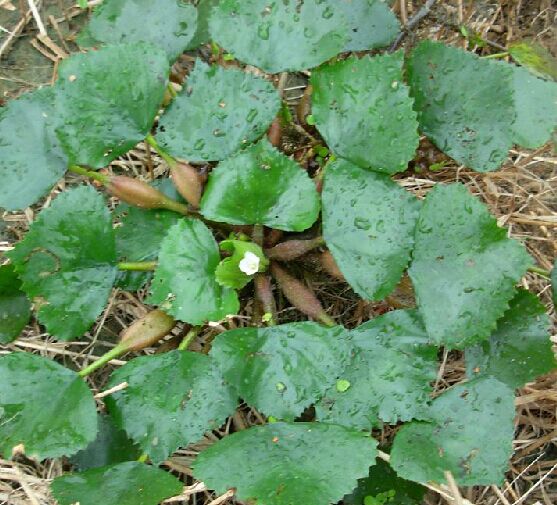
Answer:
[(536, 109), (371, 24), (281, 370), (389, 376), (172, 399), (368, 225), (283, 464), (520, 349), (15, 309), (31, 159), (464, 268), (261, 186), (362, 109), (130, 483), (171, 26), (67, 262), (44, 407), (279, 36), (465, 104), (218, 112), (470, 434), (184, 285), (107, 100)]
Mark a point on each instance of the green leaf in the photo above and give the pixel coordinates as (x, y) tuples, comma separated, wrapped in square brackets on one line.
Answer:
[(111, 446), (465, 104), (15, 308), (172, 24), (31, 159), (281, 370), (470, 434), (535, 57), (44, 406), (184, 285), (218, 112), (279, 36), (372, 24), (536, 109), (389, 375), (125, 83), (229, 271), (384, 487), (520, 349), (464, 268), (202, 35), (172, 399), (67, 262), (368, 225), (130, 483), (261, 186), (362, 109), (283, 463)]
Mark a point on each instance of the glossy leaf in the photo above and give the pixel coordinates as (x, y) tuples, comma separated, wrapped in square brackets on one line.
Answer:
[(125, 83), (281, 370), (218, 112), (279, 36), (184, 285), (15, 308), (110, 447), (368, 225), (261, 186), (29, 150), (171, 401), (282, 463), (172, 24), (362, 109), (520, 349), (389, 375), (535, 57), (34, 393), (461, 436), (245, 260), (130, 483), (465, 104), (371, 24), (536, 109), (67, 262), (464, 268)]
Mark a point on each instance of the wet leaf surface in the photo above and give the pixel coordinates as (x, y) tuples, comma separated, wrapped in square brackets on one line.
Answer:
[(15, 308)]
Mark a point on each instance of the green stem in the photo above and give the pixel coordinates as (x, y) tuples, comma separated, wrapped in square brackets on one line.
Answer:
[(137, 266), (540, 271), (188, 339), (327, 320), (76, 169), (161, 152), (171, 90), (496, 55), (103, 360), (258, 234)]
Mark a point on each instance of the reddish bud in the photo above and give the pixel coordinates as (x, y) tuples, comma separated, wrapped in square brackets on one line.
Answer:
[(147, 331), (330, 266), (292, 249), (264, 293), (275, 133), (188, 182)]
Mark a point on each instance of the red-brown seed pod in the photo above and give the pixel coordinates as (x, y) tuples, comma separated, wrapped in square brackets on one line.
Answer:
[(147, 331), (188, 182), (330, 266), (264, 293), (275, 132), (292, 249)]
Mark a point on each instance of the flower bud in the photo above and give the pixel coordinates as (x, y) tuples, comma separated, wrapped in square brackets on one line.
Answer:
[(188, 182), (275, 133), (147, 331), (330, 266), (292, 249)]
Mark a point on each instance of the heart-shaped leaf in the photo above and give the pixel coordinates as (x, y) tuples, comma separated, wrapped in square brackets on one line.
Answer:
[(283, 369), (46, 410), (465, 104), (172, 399), (461, 436), (284, 463), (536, 109), (371, 24), (15, 308), (218, 112), (389, 375), (362, 109), (129, 483), (261, 186), (125, 83), (464, 268), (520, 349), (31, 159), (279, 36), (67, 262), (368, 225), (184, 285), (172, 24)]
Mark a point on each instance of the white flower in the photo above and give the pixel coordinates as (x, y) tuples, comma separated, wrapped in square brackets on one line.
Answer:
[(249, 264)]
